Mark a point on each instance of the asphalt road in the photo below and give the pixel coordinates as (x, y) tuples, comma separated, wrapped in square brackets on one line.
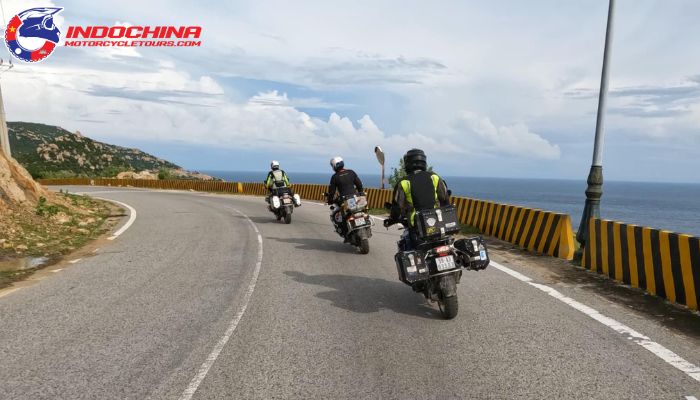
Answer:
[(179, 306)]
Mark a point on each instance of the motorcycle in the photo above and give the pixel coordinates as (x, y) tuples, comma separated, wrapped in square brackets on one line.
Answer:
[(430, 260), (352, 221), (281, 202)]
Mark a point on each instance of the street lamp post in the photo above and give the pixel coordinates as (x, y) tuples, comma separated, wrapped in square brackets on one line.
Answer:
[(380, 157), (4, 135), (595, 176)]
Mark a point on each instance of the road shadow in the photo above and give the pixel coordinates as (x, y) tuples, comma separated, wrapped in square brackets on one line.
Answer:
[(368, 295), (335, 246), (266, 220)]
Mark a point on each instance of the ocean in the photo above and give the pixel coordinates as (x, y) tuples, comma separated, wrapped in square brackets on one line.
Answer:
[(671, 206)]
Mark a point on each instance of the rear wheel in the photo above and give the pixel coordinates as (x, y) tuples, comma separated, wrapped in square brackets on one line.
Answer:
[(449, 306), (364, 246), (288, 218)]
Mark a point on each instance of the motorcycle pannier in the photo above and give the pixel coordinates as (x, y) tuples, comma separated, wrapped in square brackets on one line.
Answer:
[(435, 223), (411, 266), (472, 252), (355, 203)]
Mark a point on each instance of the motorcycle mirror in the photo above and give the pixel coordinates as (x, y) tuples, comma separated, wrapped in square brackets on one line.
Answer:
[(449, 192)]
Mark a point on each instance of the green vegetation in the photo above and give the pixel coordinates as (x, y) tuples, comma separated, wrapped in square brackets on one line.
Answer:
[(397, 174), (165, 173), (469, 230), (49, 152), (54, 228), (44, 209), (377, 211)]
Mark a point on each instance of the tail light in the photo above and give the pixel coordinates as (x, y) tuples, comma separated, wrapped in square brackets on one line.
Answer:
[(442, 250)]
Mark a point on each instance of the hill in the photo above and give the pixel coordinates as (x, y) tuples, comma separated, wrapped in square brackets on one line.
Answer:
[(48, 151)]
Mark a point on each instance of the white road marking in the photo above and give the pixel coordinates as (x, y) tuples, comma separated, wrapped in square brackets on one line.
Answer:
[(660, 351), (132, 218), (74, 261), (211, 359), (691, 398), (8, 291)]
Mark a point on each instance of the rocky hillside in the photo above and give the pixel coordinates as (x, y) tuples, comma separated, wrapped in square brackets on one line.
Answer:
[(50, 151), (17, 188)]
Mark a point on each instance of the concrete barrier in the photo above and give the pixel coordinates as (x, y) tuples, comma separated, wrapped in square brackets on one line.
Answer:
[(663, 263), (539, 231), (543, 232)]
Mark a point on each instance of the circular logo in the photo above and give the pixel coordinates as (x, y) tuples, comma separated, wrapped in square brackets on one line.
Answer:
[(32, 35)]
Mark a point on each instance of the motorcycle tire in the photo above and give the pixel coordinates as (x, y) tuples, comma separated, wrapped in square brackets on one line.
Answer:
[(288, 219), (449, 307), (364, 246), (279, 217)]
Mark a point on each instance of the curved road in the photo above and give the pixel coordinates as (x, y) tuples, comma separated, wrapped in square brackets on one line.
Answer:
[(182, 306)]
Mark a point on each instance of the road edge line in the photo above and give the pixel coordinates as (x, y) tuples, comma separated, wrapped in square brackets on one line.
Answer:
[(214, 354), (127, 225), (655, 348)]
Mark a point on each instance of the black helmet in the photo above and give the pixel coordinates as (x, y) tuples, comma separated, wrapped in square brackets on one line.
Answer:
[(415, 160)]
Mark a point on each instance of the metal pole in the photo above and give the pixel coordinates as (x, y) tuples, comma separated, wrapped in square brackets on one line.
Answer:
[(4, 136), (595, 177), (380, 157), (382, 176)]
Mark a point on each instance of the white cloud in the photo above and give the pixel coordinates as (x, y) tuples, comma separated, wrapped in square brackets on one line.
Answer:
[(515, 139), (503, 61)]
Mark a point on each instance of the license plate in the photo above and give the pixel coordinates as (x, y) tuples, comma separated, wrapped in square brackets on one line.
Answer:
[(445, 263), (360, 222), (287, 201)]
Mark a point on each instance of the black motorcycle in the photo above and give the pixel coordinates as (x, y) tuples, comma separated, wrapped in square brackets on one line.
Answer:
[(281, 202), (352, 221), (430, 260)]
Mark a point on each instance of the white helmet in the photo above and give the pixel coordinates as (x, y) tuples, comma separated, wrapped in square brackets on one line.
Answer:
[(274, 165), (337, 163)]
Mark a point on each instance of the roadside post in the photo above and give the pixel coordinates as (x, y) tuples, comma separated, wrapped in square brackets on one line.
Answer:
[(380, 157), (4, 135), (595, 176)]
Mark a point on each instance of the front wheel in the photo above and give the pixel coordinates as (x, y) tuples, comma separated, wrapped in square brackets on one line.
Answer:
[(288, 218), (449, 307), (364, 246)]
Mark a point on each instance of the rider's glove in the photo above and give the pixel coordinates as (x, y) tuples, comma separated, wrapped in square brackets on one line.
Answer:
[(387, 223)]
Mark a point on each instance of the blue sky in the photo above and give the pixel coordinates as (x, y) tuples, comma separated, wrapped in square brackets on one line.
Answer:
[(504, 89)]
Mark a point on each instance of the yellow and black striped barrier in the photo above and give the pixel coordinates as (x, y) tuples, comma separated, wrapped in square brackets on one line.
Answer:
[(544, 232), (539, 231), (663, 263)]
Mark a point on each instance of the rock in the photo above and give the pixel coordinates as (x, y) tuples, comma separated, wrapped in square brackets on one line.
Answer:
[(61, 218), (146, 175), (16, 185)]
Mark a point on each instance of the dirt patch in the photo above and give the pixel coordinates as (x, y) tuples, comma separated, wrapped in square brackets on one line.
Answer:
[(34, 238)]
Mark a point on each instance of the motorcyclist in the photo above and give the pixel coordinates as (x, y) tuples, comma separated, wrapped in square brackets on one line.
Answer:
[(276, 179), (419, 190), (346, 183)]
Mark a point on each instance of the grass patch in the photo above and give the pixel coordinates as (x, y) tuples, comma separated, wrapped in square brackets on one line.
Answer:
[(469, 230), (377, 211), (55, 227)]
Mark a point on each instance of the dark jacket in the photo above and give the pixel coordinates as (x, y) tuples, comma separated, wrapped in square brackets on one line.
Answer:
[(426, 190), (345, 182)]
